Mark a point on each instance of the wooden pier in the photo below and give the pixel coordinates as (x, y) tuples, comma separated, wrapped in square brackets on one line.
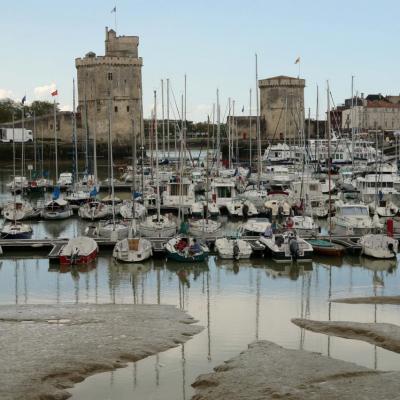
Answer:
[(52, 247)]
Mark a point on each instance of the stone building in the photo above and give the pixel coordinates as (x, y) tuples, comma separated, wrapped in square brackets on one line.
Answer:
[(281, 107), (111, 85), (375, 114), (43, 126)]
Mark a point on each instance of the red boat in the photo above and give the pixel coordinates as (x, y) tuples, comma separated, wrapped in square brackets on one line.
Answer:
[(78, 251)]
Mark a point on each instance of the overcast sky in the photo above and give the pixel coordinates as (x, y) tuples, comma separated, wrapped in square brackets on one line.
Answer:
[(212, 41)]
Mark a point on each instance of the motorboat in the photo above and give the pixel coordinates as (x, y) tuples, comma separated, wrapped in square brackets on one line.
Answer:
[(353, 218), (384, 208), (133, 250), (157, 226), (186, 249), (16, 230), (223, 191), (206, 227), (241, 209), (65, 181), (236, 249), (77, 199), (277, 204), (113, 230), (18, 184), (56, 209), (255, 227), (19, 210), (127, 207), (303, 225), (379, 246), (326, 247), (287, 247), (78, 251), (179, 193), (94, 210)]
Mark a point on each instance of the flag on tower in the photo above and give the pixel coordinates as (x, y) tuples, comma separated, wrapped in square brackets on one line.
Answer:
[(297, 60), (114, 10), (23, 100), (55, 93)]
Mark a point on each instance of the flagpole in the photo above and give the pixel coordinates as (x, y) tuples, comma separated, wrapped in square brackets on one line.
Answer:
[(115, 15), (55, 138)]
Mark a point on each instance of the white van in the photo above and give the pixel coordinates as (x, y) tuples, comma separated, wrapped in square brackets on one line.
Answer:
[(18, 135)]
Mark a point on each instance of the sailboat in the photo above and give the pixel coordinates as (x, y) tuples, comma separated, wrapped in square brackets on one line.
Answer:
[(19, 210), (236, 249), (205, 226), (157, 225), (112, 229), (15, 230)]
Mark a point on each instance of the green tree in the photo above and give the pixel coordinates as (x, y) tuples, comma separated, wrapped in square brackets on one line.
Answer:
[(8, 107), (41, 108)]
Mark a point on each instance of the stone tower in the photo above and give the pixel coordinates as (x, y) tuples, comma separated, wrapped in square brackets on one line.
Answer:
[(281, 107), (112, 81)]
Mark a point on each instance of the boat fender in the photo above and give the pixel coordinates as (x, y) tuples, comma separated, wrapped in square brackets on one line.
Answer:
[(236, 251), (391, 248), (294, 248)]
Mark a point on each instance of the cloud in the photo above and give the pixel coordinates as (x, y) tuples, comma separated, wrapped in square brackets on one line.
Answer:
[(5, 93), (43, 92), (65, 107)]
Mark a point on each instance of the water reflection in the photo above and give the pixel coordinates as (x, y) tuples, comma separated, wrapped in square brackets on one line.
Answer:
[(236, 302)]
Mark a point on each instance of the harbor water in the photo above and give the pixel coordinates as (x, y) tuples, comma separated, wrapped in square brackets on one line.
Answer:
[(235, 302)]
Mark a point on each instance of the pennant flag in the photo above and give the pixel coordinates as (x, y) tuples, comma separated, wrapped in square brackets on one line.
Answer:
[(297, 60), (55, 93), (56, 193), (23, 100), (114, 10), (243, 109)]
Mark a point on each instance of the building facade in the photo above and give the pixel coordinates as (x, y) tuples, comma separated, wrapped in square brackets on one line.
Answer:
[(110, 88), (281, 107), (373, 115)]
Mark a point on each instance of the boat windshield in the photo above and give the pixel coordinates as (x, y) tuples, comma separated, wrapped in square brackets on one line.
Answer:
[(363, 211)]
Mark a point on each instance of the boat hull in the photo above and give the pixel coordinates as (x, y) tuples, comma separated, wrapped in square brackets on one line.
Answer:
[(82, 259)]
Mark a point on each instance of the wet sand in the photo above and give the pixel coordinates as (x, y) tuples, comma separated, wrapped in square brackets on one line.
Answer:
[(46, 349), (369, 300), (383, 335), (268, 371)]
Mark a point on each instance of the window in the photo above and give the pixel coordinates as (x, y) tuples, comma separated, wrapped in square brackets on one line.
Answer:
[(116, 109), (109, 76), (98, 105), (127, 108)]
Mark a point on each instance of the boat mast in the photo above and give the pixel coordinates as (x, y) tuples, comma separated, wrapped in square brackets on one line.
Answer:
[(23, 141), (156, 145), (110, 156), (258, 129), (168, 145), (163, 117), (133, 168), (13, 147), (352, 122), (95, 142), (34, 143), (74, 138), (218, 133), (250, 141), (229, 134), (328, 124), (55, 136)]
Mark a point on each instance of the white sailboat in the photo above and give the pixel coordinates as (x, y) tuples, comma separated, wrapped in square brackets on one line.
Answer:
[(15, 230), (157, 225), (133, 250), (379, 246)]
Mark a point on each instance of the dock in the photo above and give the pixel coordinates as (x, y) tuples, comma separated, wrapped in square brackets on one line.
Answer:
[(52, 247)]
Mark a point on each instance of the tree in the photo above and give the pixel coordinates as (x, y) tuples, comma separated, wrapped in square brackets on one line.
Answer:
[(41, 108), (8, 107)]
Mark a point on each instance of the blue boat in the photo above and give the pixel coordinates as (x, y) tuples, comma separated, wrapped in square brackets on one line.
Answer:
[(16, 230)]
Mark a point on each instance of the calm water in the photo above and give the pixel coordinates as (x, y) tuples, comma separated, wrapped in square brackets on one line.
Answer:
[(236, 303)]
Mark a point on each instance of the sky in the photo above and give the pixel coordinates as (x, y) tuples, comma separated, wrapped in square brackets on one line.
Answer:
[(213, 42)]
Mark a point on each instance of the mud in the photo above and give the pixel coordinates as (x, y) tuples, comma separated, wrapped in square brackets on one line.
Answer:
[(267, 371), (46, 349), (383, 335)]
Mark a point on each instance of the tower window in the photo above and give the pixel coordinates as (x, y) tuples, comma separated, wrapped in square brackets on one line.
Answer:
[(127, 108), (115, 109), (109, 76)]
